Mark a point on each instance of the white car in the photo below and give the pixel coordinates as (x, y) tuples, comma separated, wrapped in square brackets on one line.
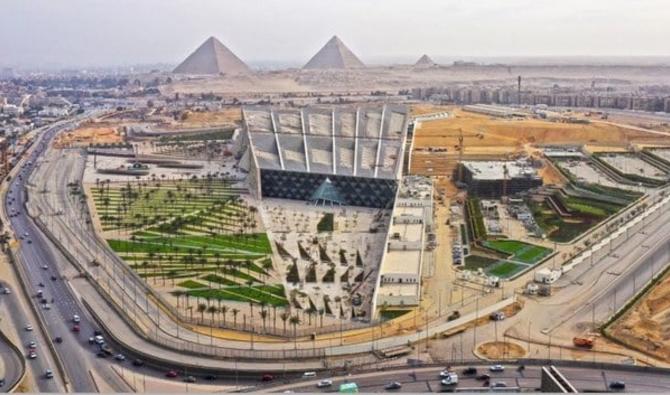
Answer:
[(324, 383), (308, 375), (497, 368), (29, 327), (76, 319), (32, 355), (445, 373), (451, 379), (7, 291), (99, 340), (32, 345)]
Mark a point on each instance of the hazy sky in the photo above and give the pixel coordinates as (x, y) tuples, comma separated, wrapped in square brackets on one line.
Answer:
[(122, 32)]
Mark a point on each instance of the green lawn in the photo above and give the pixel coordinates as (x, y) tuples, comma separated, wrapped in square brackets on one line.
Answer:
[(475, 262), (505, 269), (518, 250)]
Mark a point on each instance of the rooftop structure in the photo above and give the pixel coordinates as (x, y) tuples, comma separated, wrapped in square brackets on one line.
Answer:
[(425, 61), (494, 110), (334, 55), (359, 150), (399, 281), (497, 178), (212, 57)]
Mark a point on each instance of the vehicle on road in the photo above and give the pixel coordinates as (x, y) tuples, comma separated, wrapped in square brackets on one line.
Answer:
[(76, 328), (54, 278), (91, 340), (189, 379), (348, 388), (496, 368), (497, 316), (46, 306), (98, 339), (32, 355), (49, 374), (483, 377), (6, 291), (308, 375), (32, 345), (450, 379), (2, 382), (138, 362), (120, 357), (29, 327), (521, 368), (617, 385), (470, 371), (45, 267), (393, 386), (171, 374), (58, 339), (101, 354), (76, 319), (499, 384), (267, 377), (210, 377), (584, 342), (324, 383)]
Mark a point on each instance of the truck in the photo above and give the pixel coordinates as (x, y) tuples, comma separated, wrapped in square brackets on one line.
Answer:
[(584, 342)]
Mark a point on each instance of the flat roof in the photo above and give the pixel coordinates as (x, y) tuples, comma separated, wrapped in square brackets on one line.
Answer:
[(494, 170)]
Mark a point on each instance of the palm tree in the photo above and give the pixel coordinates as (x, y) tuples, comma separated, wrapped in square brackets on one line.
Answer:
[(284, 316), (223, 309), (264, 315), (201, 309), (235, 312), (212, 310), (321, 313), (295, 320)]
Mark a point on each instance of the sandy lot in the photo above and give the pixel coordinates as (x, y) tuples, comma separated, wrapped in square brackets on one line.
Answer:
[(646, 327), (88, 135)]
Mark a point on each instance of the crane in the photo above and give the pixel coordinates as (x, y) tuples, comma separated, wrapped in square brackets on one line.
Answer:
[(460, 155)]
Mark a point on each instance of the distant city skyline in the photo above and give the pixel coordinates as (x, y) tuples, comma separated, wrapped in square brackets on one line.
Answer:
[(99, 33)]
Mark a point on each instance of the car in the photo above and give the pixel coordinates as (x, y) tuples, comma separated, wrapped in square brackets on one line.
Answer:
[(40, 284), (49, 374), (393, 386), (39, 293), (54, 278), (189, 379), (470, 371), (76, 328), (32, 345), (91, 340), (76, 319), (267, 377), (101, 354), (171, 374), (138, 362), (308, 375), (25, 234), (97, 332), (120, 357), (617, 385), (482, 377), (210, 377), (499, 384), (496, 368), (451, 379), (30, 241), (29, 327), (6, 291), (45, 267), (324, 383), (445, 373), (98, 339), (2, 382), (58, 339), (32, 355)]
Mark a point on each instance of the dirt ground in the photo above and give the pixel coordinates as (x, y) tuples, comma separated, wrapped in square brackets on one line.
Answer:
[(646, 327), (228, 116), (501, 350), (89, 134), (487, 137)]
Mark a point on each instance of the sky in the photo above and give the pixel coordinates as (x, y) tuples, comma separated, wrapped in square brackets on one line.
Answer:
[(70, 33)]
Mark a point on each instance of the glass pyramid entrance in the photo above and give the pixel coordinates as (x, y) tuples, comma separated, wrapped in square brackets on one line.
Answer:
[(327, 193)]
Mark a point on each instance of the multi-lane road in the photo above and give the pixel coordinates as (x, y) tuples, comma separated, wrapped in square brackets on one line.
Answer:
[(528, 379)]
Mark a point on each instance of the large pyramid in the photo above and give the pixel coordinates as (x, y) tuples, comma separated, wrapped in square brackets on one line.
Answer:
[(212, 57), (334, 55), (425, 61)]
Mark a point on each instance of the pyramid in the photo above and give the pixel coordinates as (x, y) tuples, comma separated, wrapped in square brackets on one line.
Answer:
[(424, 61), (212, 57), (334, 55)]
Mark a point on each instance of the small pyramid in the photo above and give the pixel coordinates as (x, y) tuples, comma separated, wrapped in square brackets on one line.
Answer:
[(212, 57), (425, 61), (334, 55)]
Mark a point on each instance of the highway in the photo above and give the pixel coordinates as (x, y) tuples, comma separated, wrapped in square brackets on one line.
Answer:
[(10, 369), (427, 380), (42, 265)]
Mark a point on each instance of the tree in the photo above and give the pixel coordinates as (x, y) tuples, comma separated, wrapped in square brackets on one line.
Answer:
[(284, 317), (224, 310), (264, 315), (295, 320), (235, 313), (202, 307)]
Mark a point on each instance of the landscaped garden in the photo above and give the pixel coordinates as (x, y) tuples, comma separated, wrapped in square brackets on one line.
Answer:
[(195, 237)]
